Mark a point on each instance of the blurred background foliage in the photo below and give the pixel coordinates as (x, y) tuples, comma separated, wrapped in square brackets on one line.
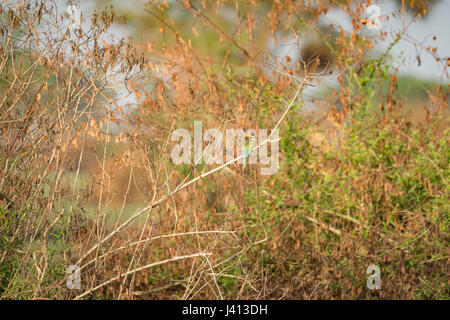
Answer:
[(363, 175)]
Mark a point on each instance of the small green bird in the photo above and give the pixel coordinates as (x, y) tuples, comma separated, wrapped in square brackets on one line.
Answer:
[(249, 143)]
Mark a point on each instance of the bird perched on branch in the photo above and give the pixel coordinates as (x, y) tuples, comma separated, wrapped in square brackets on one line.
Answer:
[(249, 143)]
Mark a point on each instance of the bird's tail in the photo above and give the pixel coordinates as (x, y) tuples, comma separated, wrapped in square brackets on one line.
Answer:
[(243, 163)]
